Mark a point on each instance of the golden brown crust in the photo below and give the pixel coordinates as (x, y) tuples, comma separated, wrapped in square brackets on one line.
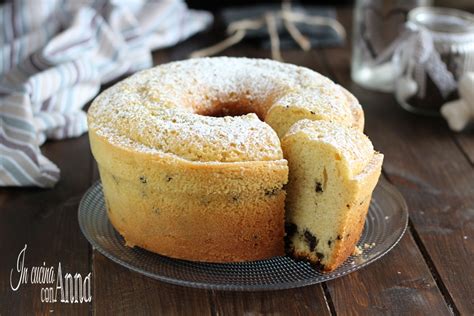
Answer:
[(350, 236), (215, 212), (228, 233), (351, 228), (187, 176)]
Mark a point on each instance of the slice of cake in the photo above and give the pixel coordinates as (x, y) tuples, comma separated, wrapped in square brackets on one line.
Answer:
[(333, 170)]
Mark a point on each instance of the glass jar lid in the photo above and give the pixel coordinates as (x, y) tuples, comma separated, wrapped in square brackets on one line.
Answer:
[(443, 20)]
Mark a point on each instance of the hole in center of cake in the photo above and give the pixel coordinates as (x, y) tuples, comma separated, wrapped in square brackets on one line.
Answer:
[(231, 109)]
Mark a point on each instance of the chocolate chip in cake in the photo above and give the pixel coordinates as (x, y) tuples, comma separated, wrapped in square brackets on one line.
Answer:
[(312, 112), (311, 239), (168, 178), (339, 237), (143, 179), (272, 191), (319, 187), (329, 242), (235, 198), (289, 248), (318, 265), (156, 210), (320, 255), (290, 228)]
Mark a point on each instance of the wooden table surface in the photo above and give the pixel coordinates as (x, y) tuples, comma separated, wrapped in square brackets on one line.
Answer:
[(430, 272)]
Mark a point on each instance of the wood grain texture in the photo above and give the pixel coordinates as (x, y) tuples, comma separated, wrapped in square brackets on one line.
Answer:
[(398, 284), (437, 181), (465, 140), (120, 291), (304, 301), (46, 220), (434, 175)]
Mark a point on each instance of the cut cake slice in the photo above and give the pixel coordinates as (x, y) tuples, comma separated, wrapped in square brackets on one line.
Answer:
[(333, 170)]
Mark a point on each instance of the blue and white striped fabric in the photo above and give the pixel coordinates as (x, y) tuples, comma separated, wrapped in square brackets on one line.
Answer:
[(54, 56)]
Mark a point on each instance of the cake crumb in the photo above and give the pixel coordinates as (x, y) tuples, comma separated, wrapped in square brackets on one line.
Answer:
[(387, 217), (357, 251), (398, 272), (368, 246), (465, 237)]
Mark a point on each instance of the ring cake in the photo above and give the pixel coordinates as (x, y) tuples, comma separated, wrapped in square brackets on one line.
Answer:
[(192, 167)]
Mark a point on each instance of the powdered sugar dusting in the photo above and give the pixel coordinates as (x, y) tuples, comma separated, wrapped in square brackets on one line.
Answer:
[(155, 110), (354, 146)]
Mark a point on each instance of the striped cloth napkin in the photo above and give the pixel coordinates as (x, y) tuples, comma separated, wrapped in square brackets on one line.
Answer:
[(54, 56)]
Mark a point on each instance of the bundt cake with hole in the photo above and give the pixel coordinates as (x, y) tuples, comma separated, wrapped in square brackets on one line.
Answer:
[(190, 158), (333, 170)]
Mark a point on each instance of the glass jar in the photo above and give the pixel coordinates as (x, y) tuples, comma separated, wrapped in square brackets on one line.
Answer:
[(377, 26), (439, 52)]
